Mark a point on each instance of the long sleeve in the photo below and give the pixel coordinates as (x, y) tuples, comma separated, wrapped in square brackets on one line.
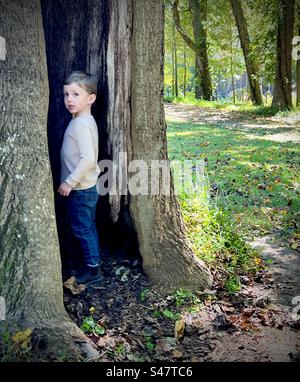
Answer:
[(79, 153), (84, 140)]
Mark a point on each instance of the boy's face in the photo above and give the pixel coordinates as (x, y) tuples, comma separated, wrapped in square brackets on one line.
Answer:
[(77, 100)]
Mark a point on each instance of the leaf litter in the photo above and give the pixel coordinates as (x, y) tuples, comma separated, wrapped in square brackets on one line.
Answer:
[(141, 324)]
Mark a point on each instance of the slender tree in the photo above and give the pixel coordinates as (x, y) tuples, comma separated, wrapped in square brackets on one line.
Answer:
[(198, 45), (185, 71), (251, 65), (174, 62), (298, 58), (282, 93), (231, 67)]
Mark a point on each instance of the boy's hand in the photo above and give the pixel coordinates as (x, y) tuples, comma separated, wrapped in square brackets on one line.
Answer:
[(64, 189)]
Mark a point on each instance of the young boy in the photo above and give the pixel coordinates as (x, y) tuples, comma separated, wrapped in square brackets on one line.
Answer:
[(79, 170)]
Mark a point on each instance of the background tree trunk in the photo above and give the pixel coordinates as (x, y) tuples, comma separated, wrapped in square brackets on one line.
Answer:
[(203, 88), (30, 273), (231, 67), (298, 61), (203, 81), (252, 69), (167, 258), (282, 93), (175, 94), (185, 71)]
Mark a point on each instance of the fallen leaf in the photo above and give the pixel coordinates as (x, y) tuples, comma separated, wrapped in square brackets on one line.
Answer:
[(227, 309), (179, 329), (124, 277), (106, 342), (71, 284), (165, 344), (177, 354), (22, 338)]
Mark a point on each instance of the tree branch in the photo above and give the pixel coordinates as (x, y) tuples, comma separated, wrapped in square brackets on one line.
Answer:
[(183, 34)]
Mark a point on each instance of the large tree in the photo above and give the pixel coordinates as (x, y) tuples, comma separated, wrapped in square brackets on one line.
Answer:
[(118, 40), (282, 94), (30, 272), (251, 65)]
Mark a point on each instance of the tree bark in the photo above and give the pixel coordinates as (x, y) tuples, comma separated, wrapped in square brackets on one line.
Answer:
[(298, 60), (175, 63), (231, 67), (251, 65), (121, 42), (203, 87), (282, 93), (167, 258), (185, 71), (30, 273), (203, 79)]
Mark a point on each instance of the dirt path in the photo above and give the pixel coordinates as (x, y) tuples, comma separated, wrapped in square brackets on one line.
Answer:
[(278, 129)]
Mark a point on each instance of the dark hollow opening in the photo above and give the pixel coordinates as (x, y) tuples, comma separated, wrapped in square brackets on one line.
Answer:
[(68, 47)]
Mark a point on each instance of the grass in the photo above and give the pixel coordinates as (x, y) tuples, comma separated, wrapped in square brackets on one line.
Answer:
[(254, 190), (246, 108)]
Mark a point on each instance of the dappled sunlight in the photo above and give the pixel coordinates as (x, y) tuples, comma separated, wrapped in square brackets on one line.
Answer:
[(252, 176), (292, 136)]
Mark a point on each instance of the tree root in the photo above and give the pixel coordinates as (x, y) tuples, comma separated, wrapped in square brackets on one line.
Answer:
[(65, 343)]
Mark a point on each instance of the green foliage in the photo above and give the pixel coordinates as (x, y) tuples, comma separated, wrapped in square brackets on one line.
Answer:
[(245, 108), (144, 293), (183, 297), (149, 343), (170, 315), (120, 349), (90, 325), (232, 284), (156, 314), (225, 55)]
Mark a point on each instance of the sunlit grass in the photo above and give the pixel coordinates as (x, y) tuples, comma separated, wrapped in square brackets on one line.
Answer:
[(255, 187), (240, 107)]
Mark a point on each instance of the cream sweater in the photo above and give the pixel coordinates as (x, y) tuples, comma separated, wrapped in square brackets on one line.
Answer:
[(79, 153)]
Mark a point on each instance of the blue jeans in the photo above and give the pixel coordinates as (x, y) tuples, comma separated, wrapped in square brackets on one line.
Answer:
[(81, 211)]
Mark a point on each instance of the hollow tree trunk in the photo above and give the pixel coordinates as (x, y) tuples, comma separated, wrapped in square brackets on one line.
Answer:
[(282, 93), (30, 274), (30, 271), (76, 34), (129, 114), (167, 258), (251, 65)]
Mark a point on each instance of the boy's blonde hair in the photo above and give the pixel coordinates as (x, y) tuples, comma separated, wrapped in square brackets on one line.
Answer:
[(85, 80)]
